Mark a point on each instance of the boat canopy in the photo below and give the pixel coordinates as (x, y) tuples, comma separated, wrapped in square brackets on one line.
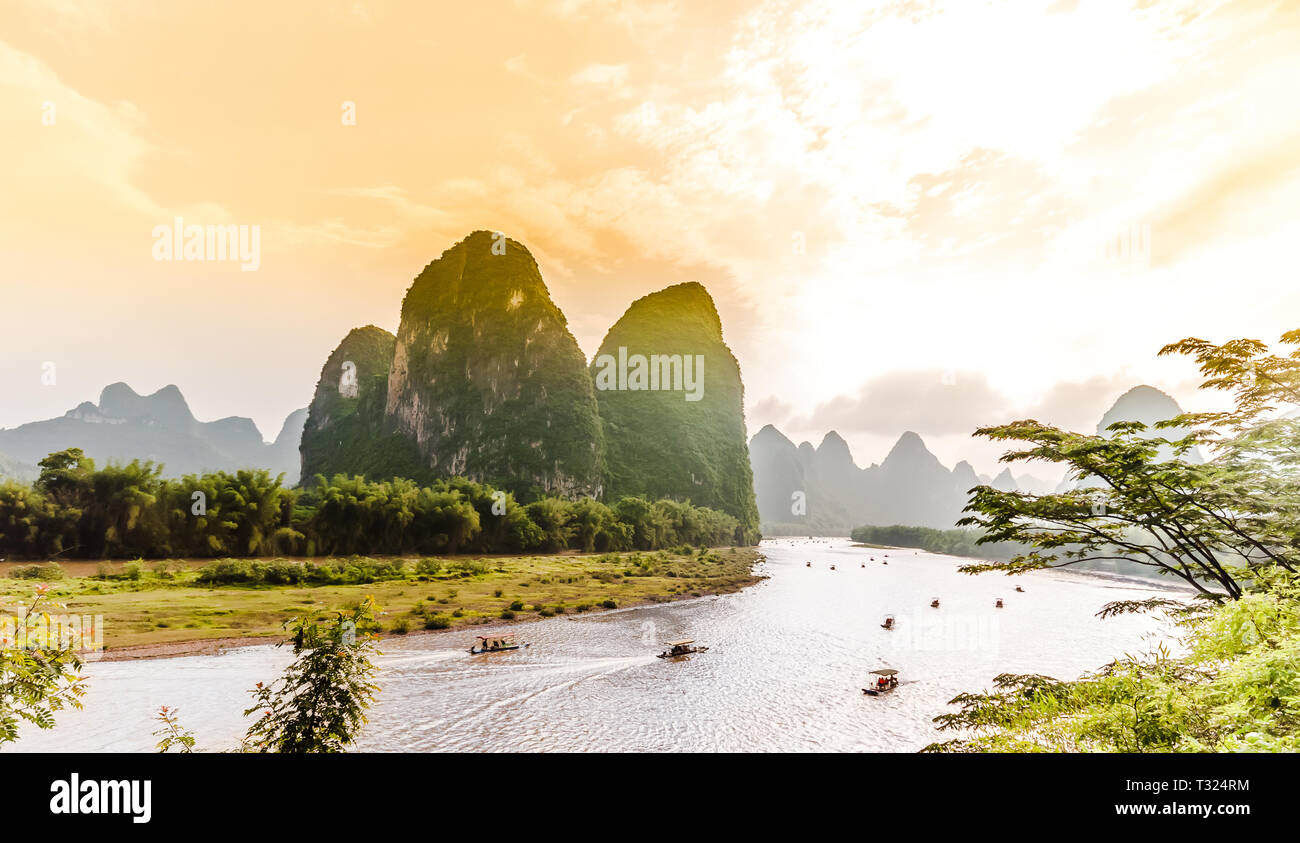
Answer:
[(681, 643), (885, 671)]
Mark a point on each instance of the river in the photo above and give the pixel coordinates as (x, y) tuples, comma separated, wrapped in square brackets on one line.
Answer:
[(787, 661)]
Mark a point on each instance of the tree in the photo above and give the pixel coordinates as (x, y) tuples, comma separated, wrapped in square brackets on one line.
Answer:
[(38, 678), (1230, 527), (1211, 524), (319, 704), (171, 734)]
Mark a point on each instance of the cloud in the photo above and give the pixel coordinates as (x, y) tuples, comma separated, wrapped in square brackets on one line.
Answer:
[(927, 402), (771, 410), (1077, 405), (988, 202), (601, 75), (938, 403)]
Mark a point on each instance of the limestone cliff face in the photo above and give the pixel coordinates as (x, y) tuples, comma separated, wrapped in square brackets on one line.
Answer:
[(487, 382), (343, 433), (669, 437)]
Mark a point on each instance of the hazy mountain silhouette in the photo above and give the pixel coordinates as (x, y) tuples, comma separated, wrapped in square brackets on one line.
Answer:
[(125, 425), (12, 469), (909, 487)]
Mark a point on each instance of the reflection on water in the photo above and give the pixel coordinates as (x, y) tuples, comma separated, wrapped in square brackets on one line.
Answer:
[(787, 661)]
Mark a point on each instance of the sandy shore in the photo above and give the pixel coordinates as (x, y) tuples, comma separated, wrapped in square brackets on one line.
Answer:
[(172, 649)]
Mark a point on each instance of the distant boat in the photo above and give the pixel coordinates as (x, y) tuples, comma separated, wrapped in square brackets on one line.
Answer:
[(1019, 589), (889, 623), (998, 604), (493, 644), (934, 604), (680, 648), (886, 681)]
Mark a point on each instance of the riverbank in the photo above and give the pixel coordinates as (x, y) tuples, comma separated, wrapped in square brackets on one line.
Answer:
[(172, 608)]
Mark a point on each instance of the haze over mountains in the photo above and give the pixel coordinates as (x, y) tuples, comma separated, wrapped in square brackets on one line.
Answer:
[(125, 425), (910, 487)]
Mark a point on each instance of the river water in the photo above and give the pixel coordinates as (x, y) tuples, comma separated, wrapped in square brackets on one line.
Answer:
[(787, 661)]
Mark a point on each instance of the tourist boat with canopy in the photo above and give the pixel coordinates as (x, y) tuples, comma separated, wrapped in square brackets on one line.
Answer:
[(886, 681)]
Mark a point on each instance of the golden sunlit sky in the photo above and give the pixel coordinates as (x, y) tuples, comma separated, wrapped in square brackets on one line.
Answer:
[(912, 215)]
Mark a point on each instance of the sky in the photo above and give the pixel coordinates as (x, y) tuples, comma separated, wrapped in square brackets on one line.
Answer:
[(912, 215)]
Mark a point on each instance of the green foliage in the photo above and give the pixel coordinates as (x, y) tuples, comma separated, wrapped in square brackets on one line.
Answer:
[(488, 360), (952, 542), (48, 571), (248, 514), (319, 704), (1237, 689), (171, 734), (1229, 526), (38, 678), (344, 432)]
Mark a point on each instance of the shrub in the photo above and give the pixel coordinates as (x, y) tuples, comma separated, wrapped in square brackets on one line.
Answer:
[(48, 571), (227, 572), (438, 621), (280, 572), (610, 604)]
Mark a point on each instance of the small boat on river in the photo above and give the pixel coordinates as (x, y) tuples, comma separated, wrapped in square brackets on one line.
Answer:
[(494, 644), (886, 681), (889, 623), (680, 648)]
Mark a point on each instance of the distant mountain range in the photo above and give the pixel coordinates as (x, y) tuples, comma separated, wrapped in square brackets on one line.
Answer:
[(806, 490), (125, 425)]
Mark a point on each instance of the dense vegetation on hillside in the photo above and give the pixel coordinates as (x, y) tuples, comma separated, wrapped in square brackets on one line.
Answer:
[(76, 510), (1229, 527), (659, 444), (487, 381), (344, 433)]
